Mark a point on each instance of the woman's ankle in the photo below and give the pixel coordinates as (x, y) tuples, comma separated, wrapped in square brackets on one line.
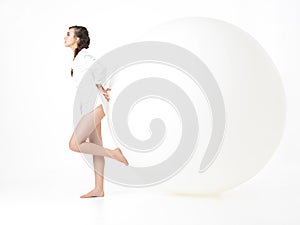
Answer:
[(109, 153), (99, 188)]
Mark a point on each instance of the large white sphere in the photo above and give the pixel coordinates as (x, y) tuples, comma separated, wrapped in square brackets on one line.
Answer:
[(253, 96)]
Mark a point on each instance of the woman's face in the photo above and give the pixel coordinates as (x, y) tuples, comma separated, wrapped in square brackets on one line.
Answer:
[(70, 39)]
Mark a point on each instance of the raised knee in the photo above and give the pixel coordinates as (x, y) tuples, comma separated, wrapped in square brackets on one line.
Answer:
[(73, 146)]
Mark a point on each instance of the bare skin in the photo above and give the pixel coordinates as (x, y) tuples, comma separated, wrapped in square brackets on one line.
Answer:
[(98, 190), (98, 151), (99, 162)]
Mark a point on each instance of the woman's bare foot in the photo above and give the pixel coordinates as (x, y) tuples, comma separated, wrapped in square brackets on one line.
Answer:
[(118, 155), (93, 193)]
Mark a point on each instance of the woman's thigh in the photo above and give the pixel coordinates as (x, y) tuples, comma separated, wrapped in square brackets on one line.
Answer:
[(86, 125), (96, 136)]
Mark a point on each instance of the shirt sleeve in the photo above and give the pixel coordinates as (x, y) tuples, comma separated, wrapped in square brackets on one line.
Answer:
[(89, 60), (98, 73)]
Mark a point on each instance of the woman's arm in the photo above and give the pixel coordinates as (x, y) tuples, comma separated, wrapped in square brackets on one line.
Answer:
[(104, 91)]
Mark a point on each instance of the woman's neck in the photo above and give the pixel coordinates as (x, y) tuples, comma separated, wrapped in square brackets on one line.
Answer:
[(73, 49)]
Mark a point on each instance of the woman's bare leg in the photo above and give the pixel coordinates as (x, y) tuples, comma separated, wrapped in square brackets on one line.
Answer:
[(99, 162), (83, 130)]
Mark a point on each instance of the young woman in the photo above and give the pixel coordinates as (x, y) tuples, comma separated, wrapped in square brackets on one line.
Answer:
[(89, 126)]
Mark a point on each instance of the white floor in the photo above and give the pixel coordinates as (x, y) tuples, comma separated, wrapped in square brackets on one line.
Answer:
[(271, 197)]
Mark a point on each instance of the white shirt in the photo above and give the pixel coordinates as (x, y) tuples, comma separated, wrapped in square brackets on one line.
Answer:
[(87, 72), (80, 65)]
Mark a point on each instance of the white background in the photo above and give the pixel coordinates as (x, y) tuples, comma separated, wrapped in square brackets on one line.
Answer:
[(41, 179)]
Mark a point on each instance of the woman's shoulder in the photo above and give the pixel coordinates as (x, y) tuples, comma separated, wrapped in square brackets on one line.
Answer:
[(84, 57), (85, 53)]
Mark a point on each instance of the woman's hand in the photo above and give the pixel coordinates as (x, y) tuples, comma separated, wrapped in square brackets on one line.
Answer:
[(105, 92)]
